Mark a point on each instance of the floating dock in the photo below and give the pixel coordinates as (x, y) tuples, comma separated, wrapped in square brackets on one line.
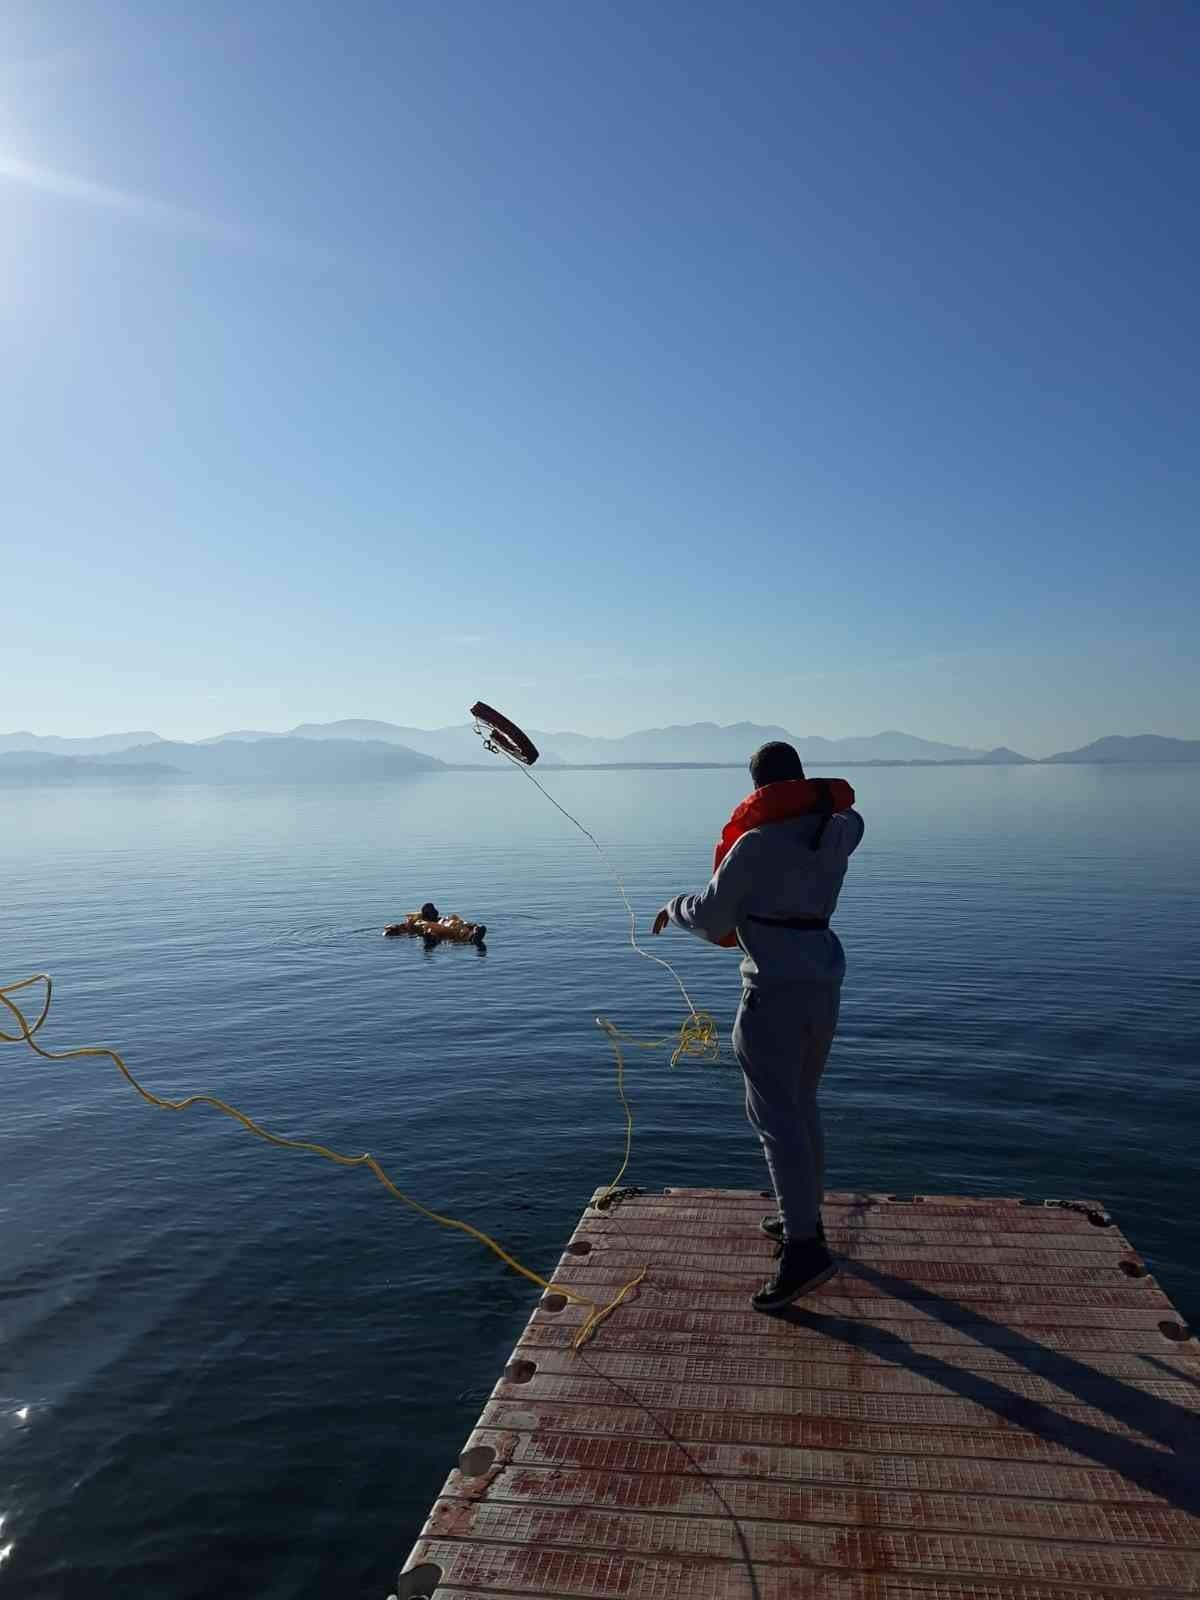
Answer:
[(994, 1400)]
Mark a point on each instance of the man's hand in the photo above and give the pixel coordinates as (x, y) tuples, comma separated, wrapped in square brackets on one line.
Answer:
[(661, 920)]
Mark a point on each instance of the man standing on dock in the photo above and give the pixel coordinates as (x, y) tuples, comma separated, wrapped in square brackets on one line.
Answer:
[(780, 867)]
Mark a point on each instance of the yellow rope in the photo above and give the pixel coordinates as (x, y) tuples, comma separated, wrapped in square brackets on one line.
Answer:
[(620, 883), (597, 1313), (697, 1038)]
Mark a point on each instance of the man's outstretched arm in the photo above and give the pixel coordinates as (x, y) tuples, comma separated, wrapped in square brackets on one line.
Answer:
[(722, 905)]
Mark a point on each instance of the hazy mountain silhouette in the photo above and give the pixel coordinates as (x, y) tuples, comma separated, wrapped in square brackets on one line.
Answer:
[(1002, 756), (282, 760), (53, 744), (19, 768), (686, 742), (708, 741), (458, 744), (360, 748), (1140, 747)]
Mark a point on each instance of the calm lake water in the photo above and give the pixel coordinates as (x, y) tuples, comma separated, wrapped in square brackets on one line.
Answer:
[(232, 1370)]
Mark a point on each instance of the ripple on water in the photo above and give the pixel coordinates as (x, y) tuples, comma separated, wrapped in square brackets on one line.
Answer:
[(319, 935)]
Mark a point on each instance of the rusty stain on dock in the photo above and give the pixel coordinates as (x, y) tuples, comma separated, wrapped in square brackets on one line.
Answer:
[(992, 1401)]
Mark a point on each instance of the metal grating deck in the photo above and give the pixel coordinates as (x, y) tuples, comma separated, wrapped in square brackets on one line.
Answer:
[(992, 1401)]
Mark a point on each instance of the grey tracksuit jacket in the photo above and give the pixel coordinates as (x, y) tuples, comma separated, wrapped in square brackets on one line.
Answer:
[(772, 872)]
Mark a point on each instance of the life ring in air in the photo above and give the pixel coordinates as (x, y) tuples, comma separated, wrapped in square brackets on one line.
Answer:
[(502, 736)]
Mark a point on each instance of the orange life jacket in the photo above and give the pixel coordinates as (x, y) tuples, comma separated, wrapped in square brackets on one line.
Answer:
[(779, 802)]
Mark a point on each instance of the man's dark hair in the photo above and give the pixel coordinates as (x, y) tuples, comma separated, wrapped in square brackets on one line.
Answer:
[(775, 763)]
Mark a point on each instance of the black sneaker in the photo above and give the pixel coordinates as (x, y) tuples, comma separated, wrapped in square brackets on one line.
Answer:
[(773, 1228), (803, 1267)]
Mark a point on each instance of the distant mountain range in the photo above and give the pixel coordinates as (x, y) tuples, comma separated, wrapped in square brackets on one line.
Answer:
[(20, 768), (1141, 747), (282, 760), (52, 744), (699, 742), (456, 746), (358, 750)]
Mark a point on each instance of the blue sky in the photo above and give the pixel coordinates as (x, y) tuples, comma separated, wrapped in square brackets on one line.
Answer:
[(618, 363)]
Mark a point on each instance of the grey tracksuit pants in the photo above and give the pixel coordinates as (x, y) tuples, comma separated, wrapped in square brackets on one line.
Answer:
[(781, 1038)]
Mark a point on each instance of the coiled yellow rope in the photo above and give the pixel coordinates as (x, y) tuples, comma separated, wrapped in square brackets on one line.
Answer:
[(597, 1313)]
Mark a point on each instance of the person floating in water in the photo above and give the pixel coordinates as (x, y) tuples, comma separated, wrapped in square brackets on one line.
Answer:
[(780, 867), (429, 924)]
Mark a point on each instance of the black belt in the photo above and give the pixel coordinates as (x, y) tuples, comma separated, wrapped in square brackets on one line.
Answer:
[(802, 924)]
